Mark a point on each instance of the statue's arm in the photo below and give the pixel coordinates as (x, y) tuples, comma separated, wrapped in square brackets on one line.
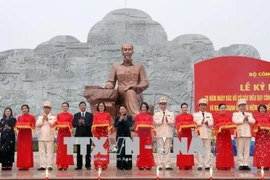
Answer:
[(110, 84), (143, 81)]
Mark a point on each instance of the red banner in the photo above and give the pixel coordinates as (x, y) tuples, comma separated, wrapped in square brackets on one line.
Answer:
[(227, 79)]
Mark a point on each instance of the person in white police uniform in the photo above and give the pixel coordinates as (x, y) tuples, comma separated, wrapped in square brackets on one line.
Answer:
[(46, 137), (244, 120), (204, 120), (164, 120)]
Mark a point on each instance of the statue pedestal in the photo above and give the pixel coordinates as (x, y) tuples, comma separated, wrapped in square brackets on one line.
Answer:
[(97, 94)]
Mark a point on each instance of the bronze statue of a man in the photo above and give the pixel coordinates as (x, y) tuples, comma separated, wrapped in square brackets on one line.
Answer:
[(132, 80)]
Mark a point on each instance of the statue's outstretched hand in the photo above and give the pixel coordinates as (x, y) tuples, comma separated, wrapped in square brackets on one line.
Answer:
[(109, 85)]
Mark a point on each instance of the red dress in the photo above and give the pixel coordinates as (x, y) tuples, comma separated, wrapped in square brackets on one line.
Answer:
[(25, 125), (144, 125), (262, 142), (101, 127), (182, 121), (224, 150), (64, 125)]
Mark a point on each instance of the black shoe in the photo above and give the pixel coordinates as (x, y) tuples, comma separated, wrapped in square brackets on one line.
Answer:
[(267, 169), (199, 168), (78, 168), (141, 168), (207, 168), (149, 169), (160, 168), (88, 168), (169, 168), (241, 168), (41, 169), (247, 168), (50, 168), (60, 169)]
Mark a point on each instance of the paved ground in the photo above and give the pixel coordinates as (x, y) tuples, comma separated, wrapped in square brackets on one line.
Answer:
[(113, 173)]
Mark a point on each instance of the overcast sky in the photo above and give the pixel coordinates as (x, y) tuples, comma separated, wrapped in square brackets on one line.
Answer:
[(27, 23)]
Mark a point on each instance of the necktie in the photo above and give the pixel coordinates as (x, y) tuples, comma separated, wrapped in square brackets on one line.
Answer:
[(243, 113), (163, 116), (202, 114), (82, 115)]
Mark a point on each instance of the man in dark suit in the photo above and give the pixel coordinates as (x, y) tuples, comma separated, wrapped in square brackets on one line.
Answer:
[(83, 123)]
